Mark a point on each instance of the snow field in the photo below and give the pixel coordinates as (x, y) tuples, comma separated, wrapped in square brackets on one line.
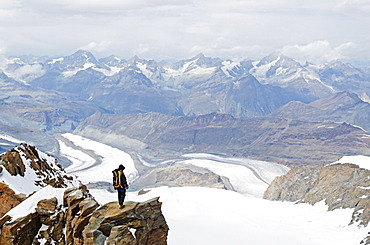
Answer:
[(361, 161), (88, 171), (198, 216)]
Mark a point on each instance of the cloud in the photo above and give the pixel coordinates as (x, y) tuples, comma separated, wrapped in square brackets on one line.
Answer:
[(98, 47), (144, 48), (178, 29), (35, 70), (92, 7), (354, 7), (317, 52)]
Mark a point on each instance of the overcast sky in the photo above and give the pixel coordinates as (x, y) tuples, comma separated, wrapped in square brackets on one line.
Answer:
[(314, 30)]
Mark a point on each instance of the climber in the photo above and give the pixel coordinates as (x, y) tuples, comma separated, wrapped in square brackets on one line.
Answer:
[(120, 184)]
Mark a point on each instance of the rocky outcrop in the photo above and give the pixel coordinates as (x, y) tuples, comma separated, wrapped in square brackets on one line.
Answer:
[(339, 185), (48, 172), (8, 198), (181, 175), (41, 170), (79, 220), (136, 223)]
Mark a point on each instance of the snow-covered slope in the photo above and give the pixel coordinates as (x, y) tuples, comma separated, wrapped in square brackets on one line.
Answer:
[(360, 160), (198, 215), (33, 171)]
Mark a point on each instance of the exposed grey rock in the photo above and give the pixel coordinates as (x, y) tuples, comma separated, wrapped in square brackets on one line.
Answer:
[(339, 185), (180, 176), (340, 107)]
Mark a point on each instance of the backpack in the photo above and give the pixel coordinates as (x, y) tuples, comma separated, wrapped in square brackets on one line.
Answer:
[(116, 178)]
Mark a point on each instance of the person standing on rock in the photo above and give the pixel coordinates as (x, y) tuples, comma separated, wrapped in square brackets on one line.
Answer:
[(120, 184)]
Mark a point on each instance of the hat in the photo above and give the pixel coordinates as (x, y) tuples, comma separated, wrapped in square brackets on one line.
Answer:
[(121, 167)]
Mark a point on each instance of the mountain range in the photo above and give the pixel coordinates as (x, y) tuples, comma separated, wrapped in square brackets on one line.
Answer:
[(196, 86), (42, 96)]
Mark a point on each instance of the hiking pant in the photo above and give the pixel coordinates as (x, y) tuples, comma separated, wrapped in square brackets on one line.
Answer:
[(121, 195)]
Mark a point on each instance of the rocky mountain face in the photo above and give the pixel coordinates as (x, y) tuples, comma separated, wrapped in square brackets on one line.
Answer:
[(286, 141), (26, 165), (339, 107), (346, 77), (42, 205), (24, 170), (181, 175), (339, 185)]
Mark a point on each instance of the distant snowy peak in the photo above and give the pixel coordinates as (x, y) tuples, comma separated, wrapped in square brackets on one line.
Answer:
[(112, 61), (198, 66), (276, 64), (280, 70), (199, 61), (338, 71), (82, 60), (72, 64), (79, 59), (150, 68), (25, 169)]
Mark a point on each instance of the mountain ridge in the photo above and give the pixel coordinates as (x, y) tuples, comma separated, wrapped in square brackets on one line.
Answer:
[(81, 76)]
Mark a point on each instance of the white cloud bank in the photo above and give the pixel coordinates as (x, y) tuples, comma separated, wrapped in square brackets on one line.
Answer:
[(165, 29), (318, 52), (98, 47)]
